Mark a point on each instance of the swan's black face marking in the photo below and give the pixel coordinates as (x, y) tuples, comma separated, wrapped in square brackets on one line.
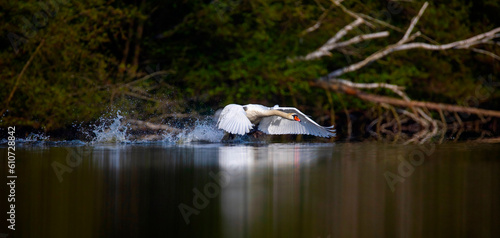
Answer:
[(295, 117)]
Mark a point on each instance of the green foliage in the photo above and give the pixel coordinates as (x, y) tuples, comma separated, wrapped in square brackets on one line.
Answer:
[(96, 53)]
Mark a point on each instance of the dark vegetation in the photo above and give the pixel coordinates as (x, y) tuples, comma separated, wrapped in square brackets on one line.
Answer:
[(64, 62)]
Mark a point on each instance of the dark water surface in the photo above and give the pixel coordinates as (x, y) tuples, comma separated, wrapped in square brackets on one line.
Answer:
[(256, 190)]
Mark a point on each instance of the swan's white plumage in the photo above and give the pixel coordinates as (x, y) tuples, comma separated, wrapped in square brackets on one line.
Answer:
[(233, 119), (237, 119), (276, 125)]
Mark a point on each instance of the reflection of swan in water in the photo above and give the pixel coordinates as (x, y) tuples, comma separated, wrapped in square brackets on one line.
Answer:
[(237, 119), (264, 179)]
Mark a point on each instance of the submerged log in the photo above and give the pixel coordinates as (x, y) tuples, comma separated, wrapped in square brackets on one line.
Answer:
[(138, 124)]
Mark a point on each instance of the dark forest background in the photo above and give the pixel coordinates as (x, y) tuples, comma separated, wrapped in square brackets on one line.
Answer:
[(65, 61)]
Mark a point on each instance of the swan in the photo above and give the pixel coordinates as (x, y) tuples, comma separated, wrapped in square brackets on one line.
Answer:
[(242, 119)]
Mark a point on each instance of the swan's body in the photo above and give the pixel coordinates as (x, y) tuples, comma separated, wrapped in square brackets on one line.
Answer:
[(238, 119)]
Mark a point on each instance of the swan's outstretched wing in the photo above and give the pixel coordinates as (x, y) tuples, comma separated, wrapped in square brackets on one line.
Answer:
[(233, 119), (276, 125)]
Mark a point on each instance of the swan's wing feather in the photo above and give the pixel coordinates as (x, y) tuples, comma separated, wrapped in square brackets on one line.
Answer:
[(276, 125), (233, 119)]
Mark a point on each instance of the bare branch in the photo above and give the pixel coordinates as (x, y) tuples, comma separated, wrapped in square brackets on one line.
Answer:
[(408, 37), (380, 22), (463, 44), (360, 38), (395, 88), (414, 21), (404, 103), (367, 60), (392, 48), (326, 48), (414, 117), (351, 13), (319, 22), (491, 54), (403, 45), (342, 32)]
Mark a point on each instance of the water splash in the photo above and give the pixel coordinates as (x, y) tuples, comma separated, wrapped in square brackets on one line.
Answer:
[(203, 131), (40, 139), (115, 130), (35, 137), (32, 138), (110, 130)]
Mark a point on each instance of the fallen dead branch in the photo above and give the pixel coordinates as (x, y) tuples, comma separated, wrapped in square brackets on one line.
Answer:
[(425, 126), (403, 103), (400, 110)]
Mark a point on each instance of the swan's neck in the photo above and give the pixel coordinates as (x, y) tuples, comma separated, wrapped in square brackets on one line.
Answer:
[(255, 116), (279, 113)]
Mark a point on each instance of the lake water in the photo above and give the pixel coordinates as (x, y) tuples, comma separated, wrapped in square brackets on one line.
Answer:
[(367, 189)]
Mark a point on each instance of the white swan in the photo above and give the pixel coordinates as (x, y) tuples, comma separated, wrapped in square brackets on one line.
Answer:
[(238, 119)]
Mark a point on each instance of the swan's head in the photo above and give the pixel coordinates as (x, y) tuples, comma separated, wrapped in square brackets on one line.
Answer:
[(294, 117)]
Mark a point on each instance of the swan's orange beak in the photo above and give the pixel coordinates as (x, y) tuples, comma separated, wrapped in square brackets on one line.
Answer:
[(295, 117)]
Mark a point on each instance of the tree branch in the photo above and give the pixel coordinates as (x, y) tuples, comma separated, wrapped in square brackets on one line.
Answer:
[(373, 57), (319, 22), (351, 13), (414, 21), (331, 44), (395, 88), (326, 48), (403, 44), (463, 44), (7, 101), (404, 103)]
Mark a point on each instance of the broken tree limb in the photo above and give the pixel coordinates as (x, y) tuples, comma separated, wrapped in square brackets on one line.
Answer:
[(401, 102)]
